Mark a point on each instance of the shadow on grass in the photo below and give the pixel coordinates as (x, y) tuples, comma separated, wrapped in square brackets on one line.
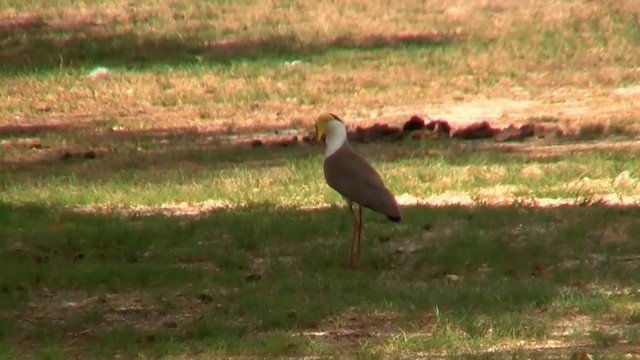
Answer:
[(32, 44), (98, 153), (268, 280)]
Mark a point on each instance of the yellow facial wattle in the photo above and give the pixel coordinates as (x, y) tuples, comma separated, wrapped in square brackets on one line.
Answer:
[(320, 130), (321, 124)]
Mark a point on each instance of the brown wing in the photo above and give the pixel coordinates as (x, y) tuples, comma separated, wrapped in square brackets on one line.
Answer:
[(356, 180)]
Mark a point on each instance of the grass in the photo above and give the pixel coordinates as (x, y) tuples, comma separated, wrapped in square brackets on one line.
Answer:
[(136, 221), (386, 63), (255, 280), (173, 285), (152, 176)]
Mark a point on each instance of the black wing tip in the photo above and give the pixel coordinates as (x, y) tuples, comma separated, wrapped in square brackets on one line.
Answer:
[(394, 218)]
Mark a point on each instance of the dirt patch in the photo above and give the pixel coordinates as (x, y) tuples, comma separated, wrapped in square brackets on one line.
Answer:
[(178, 209), (82, 317), (351, 327)]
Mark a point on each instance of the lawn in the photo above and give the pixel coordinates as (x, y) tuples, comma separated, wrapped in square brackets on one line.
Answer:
[(164, 212)]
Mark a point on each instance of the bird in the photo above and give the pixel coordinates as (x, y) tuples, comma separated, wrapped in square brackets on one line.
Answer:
[(348, 173)]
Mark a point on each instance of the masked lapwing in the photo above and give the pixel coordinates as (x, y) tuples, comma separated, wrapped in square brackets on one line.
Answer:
[(350, 175)]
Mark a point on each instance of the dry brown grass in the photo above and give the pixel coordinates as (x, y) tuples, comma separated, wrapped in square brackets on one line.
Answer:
[(509, 83)]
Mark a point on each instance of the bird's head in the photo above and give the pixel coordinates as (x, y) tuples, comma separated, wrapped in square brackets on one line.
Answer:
[(321, 125)]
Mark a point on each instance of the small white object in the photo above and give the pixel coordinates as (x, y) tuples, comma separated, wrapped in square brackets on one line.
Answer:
[(451, 278), (293, 64), (99, 73)]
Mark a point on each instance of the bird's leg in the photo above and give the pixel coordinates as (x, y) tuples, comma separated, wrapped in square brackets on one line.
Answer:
[(350, 262), (358, 232)]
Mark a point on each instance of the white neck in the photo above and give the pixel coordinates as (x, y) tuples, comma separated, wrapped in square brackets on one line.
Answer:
[(336, 135)]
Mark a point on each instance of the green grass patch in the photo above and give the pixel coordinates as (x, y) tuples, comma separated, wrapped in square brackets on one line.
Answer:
[(253, 279)]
